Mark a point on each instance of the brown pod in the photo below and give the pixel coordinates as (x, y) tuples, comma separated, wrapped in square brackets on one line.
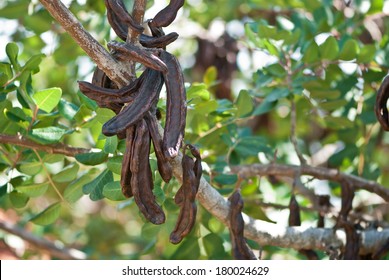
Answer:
[(167, 15), (129, 52), (125, 178), (141, 176), (294, 212), (157, 42), (148, 95), (198, 170), (295, 220), (185, 198), (164, 167), (107, 95), (240, 249), (175, 106), (381, 109), (118, 15)]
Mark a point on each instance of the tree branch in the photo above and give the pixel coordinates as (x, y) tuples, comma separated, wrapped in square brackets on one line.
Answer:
[(62, 149), (322, 173), (53, 248), (116, 71)]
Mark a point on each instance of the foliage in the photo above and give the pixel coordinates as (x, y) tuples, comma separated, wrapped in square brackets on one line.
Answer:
[(317, 63)]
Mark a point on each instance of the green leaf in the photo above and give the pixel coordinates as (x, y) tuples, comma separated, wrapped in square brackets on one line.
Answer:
[(16, 114), (213, 245), (67, 109), (12, 51), (34, 190), (68, 174), (188, 249), (30, 168), (225, 179), (338, 122), (264, 107), (150, 231), (367, 54), (210, 76), (95, 187), (3, 190), (47, 99), (33, 63), (18, 199), (350, 50), (104, 115), (244, 104), (47, 135), (329, 49), (197, 90), (311, 54), (73, 191), (325, 94), (14, 9), (92, 158), (115, 164), (333, 105), (47, 216), (251, 146), (113, 191), (111, 144)]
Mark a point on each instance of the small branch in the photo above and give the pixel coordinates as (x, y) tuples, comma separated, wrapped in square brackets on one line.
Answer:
[(115, 70), (53, 248), (51, 149), (321, 173), (138, 13)]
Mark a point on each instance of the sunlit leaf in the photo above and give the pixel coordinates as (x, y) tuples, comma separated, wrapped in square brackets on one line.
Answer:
[(34, 190), (95, 187), (47, 99), (68, 174), (48, 216), (113, 191), (94, 158)]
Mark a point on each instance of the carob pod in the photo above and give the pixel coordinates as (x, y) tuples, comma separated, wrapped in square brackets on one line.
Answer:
[(103, 95), (167, 15), (175, 106), (164, 167), (128, 52), (148, 95), (141, 176), (381, 109), (118, 15), (121, 30), (295, 220), (240, 249), (125, 178), (185, 198)]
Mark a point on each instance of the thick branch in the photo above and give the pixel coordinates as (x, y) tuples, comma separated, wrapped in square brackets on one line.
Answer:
[(115, 70), (322, 173), (53, 248), (62, 149)]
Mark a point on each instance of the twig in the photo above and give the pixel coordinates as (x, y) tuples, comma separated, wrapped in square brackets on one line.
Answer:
[(321, 173), (54, 249), (115, 70), (62, 149)]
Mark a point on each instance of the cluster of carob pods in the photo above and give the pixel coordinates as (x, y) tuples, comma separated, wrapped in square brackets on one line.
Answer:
[(136, 120)]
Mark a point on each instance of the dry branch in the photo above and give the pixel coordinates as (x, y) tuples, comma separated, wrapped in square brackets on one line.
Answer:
[(52, 248), (22, 141)]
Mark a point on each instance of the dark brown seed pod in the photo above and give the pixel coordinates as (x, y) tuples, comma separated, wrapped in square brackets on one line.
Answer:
[(185, 198), (148, 95), (240, 249), (164, 167), (198, 170), (175, 106), (102, 95), (381, 109), (294, 212), (125, 178), (141, 176), (167, 15), (295, 220), (118, 16), (157, 42), (128, 52)]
